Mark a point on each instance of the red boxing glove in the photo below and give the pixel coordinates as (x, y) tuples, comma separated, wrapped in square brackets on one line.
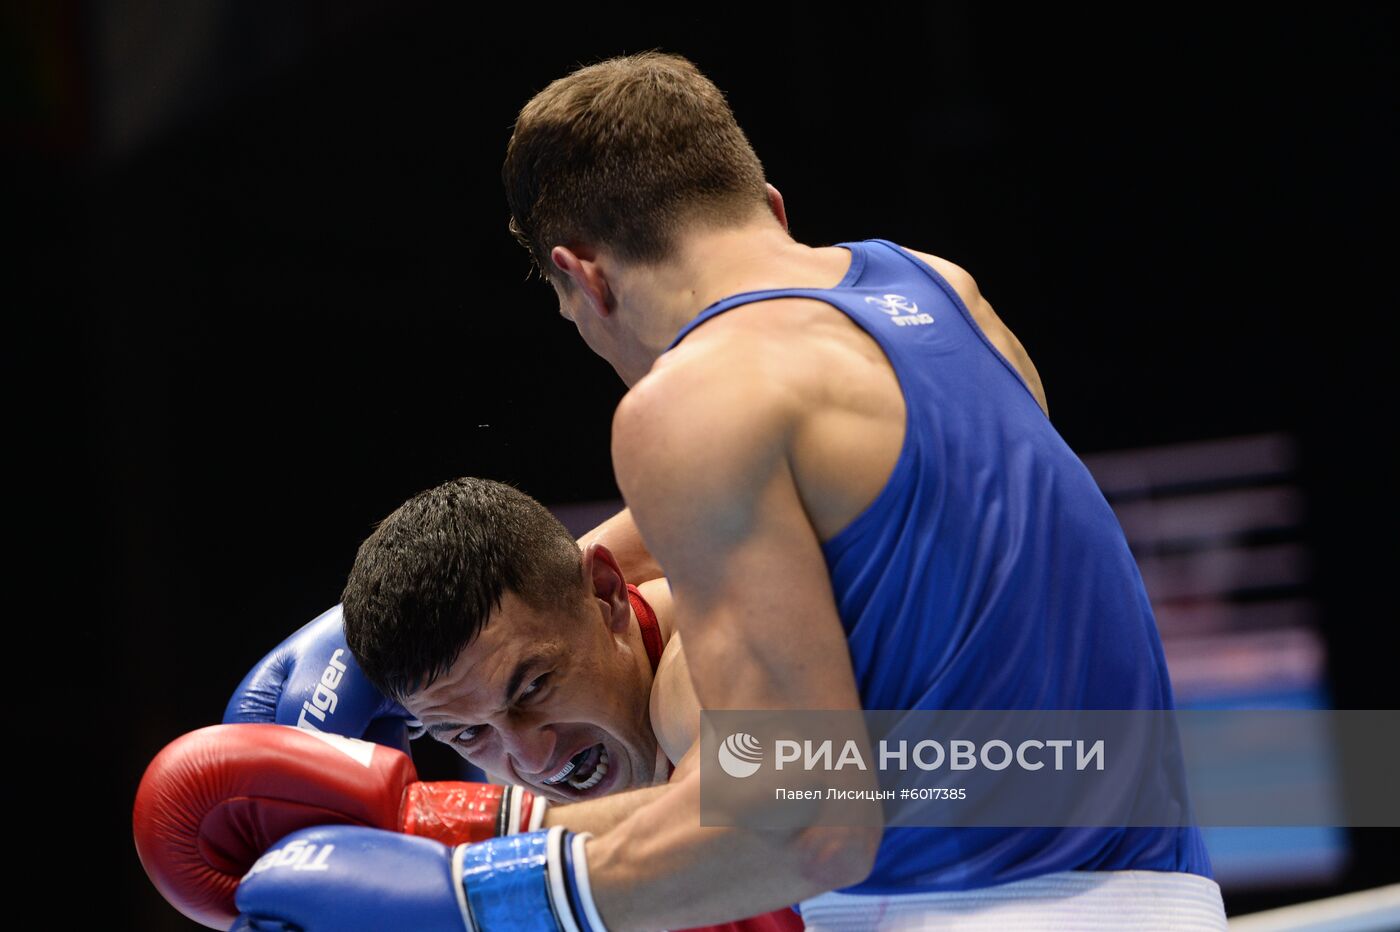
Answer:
[(212, 802)]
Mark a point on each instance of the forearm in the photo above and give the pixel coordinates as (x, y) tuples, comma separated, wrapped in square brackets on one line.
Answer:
[(600, 815), (620, 535), (659, 868), (605, 814)]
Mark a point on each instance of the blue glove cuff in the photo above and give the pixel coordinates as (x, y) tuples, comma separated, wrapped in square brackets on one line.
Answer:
[(536, 882), (580, 892)]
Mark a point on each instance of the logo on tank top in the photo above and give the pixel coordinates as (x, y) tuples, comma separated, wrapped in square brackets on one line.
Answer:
[(903, 312)]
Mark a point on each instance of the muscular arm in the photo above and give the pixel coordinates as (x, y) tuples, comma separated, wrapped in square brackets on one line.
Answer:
[(713, 494), (601, 815)]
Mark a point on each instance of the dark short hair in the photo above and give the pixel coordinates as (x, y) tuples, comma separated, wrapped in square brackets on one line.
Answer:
[(426, 581), (625, 153)]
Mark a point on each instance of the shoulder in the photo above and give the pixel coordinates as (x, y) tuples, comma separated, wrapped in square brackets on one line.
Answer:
[(709, 414), (990, 323), (657, 593), (955, 275), (755, 360), (674, 708), (708, 378)]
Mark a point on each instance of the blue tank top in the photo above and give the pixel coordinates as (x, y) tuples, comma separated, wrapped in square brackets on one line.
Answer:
[(988, 573)]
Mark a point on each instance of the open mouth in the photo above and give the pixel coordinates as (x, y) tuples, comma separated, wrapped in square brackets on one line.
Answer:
[(584, 770)]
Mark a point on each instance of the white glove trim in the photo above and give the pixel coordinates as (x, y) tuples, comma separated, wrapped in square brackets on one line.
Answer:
[(537, 814), (459, 854), (585, 891), (558, 891)]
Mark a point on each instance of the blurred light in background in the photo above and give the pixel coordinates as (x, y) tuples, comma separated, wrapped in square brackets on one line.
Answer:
[(1219, 532)]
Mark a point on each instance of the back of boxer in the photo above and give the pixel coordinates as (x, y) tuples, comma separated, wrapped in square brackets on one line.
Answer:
[(924, 453), (846, 443)]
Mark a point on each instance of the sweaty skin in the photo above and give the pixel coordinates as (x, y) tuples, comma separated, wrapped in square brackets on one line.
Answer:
[(758, 438)]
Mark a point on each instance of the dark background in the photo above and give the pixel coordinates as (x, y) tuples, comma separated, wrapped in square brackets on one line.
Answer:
[(264, 292)]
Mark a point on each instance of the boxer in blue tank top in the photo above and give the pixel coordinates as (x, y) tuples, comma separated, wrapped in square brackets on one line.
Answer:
[(842, 460)]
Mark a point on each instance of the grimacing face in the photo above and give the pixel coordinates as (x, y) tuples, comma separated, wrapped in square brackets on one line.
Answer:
[(553, 700)]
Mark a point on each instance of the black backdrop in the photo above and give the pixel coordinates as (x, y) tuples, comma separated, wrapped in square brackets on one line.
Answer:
[(266, 292)]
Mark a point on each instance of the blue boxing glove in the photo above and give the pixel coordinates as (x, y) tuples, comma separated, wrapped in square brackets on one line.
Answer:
[(312, 681), (345, 878)]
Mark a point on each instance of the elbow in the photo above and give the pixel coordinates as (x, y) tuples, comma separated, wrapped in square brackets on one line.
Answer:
[(830, 858)]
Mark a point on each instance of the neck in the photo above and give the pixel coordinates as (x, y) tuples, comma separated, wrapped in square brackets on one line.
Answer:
[(711, 265)]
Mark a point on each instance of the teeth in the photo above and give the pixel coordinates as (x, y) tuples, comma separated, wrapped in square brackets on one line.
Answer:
[(599, 772), (569, 767), (559, 777)]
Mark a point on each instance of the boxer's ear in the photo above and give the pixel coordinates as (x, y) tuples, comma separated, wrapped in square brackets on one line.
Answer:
[(604, 577), (775, 204), (583, 271)]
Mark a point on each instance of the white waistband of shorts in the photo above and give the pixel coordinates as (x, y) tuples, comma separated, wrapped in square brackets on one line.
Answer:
[(1083, 901)]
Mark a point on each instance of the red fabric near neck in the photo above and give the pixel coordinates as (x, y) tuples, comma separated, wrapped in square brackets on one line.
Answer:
[(646, 620)]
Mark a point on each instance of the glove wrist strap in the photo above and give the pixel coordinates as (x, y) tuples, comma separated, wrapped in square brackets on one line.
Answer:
[(521, 811), (537, 882)]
